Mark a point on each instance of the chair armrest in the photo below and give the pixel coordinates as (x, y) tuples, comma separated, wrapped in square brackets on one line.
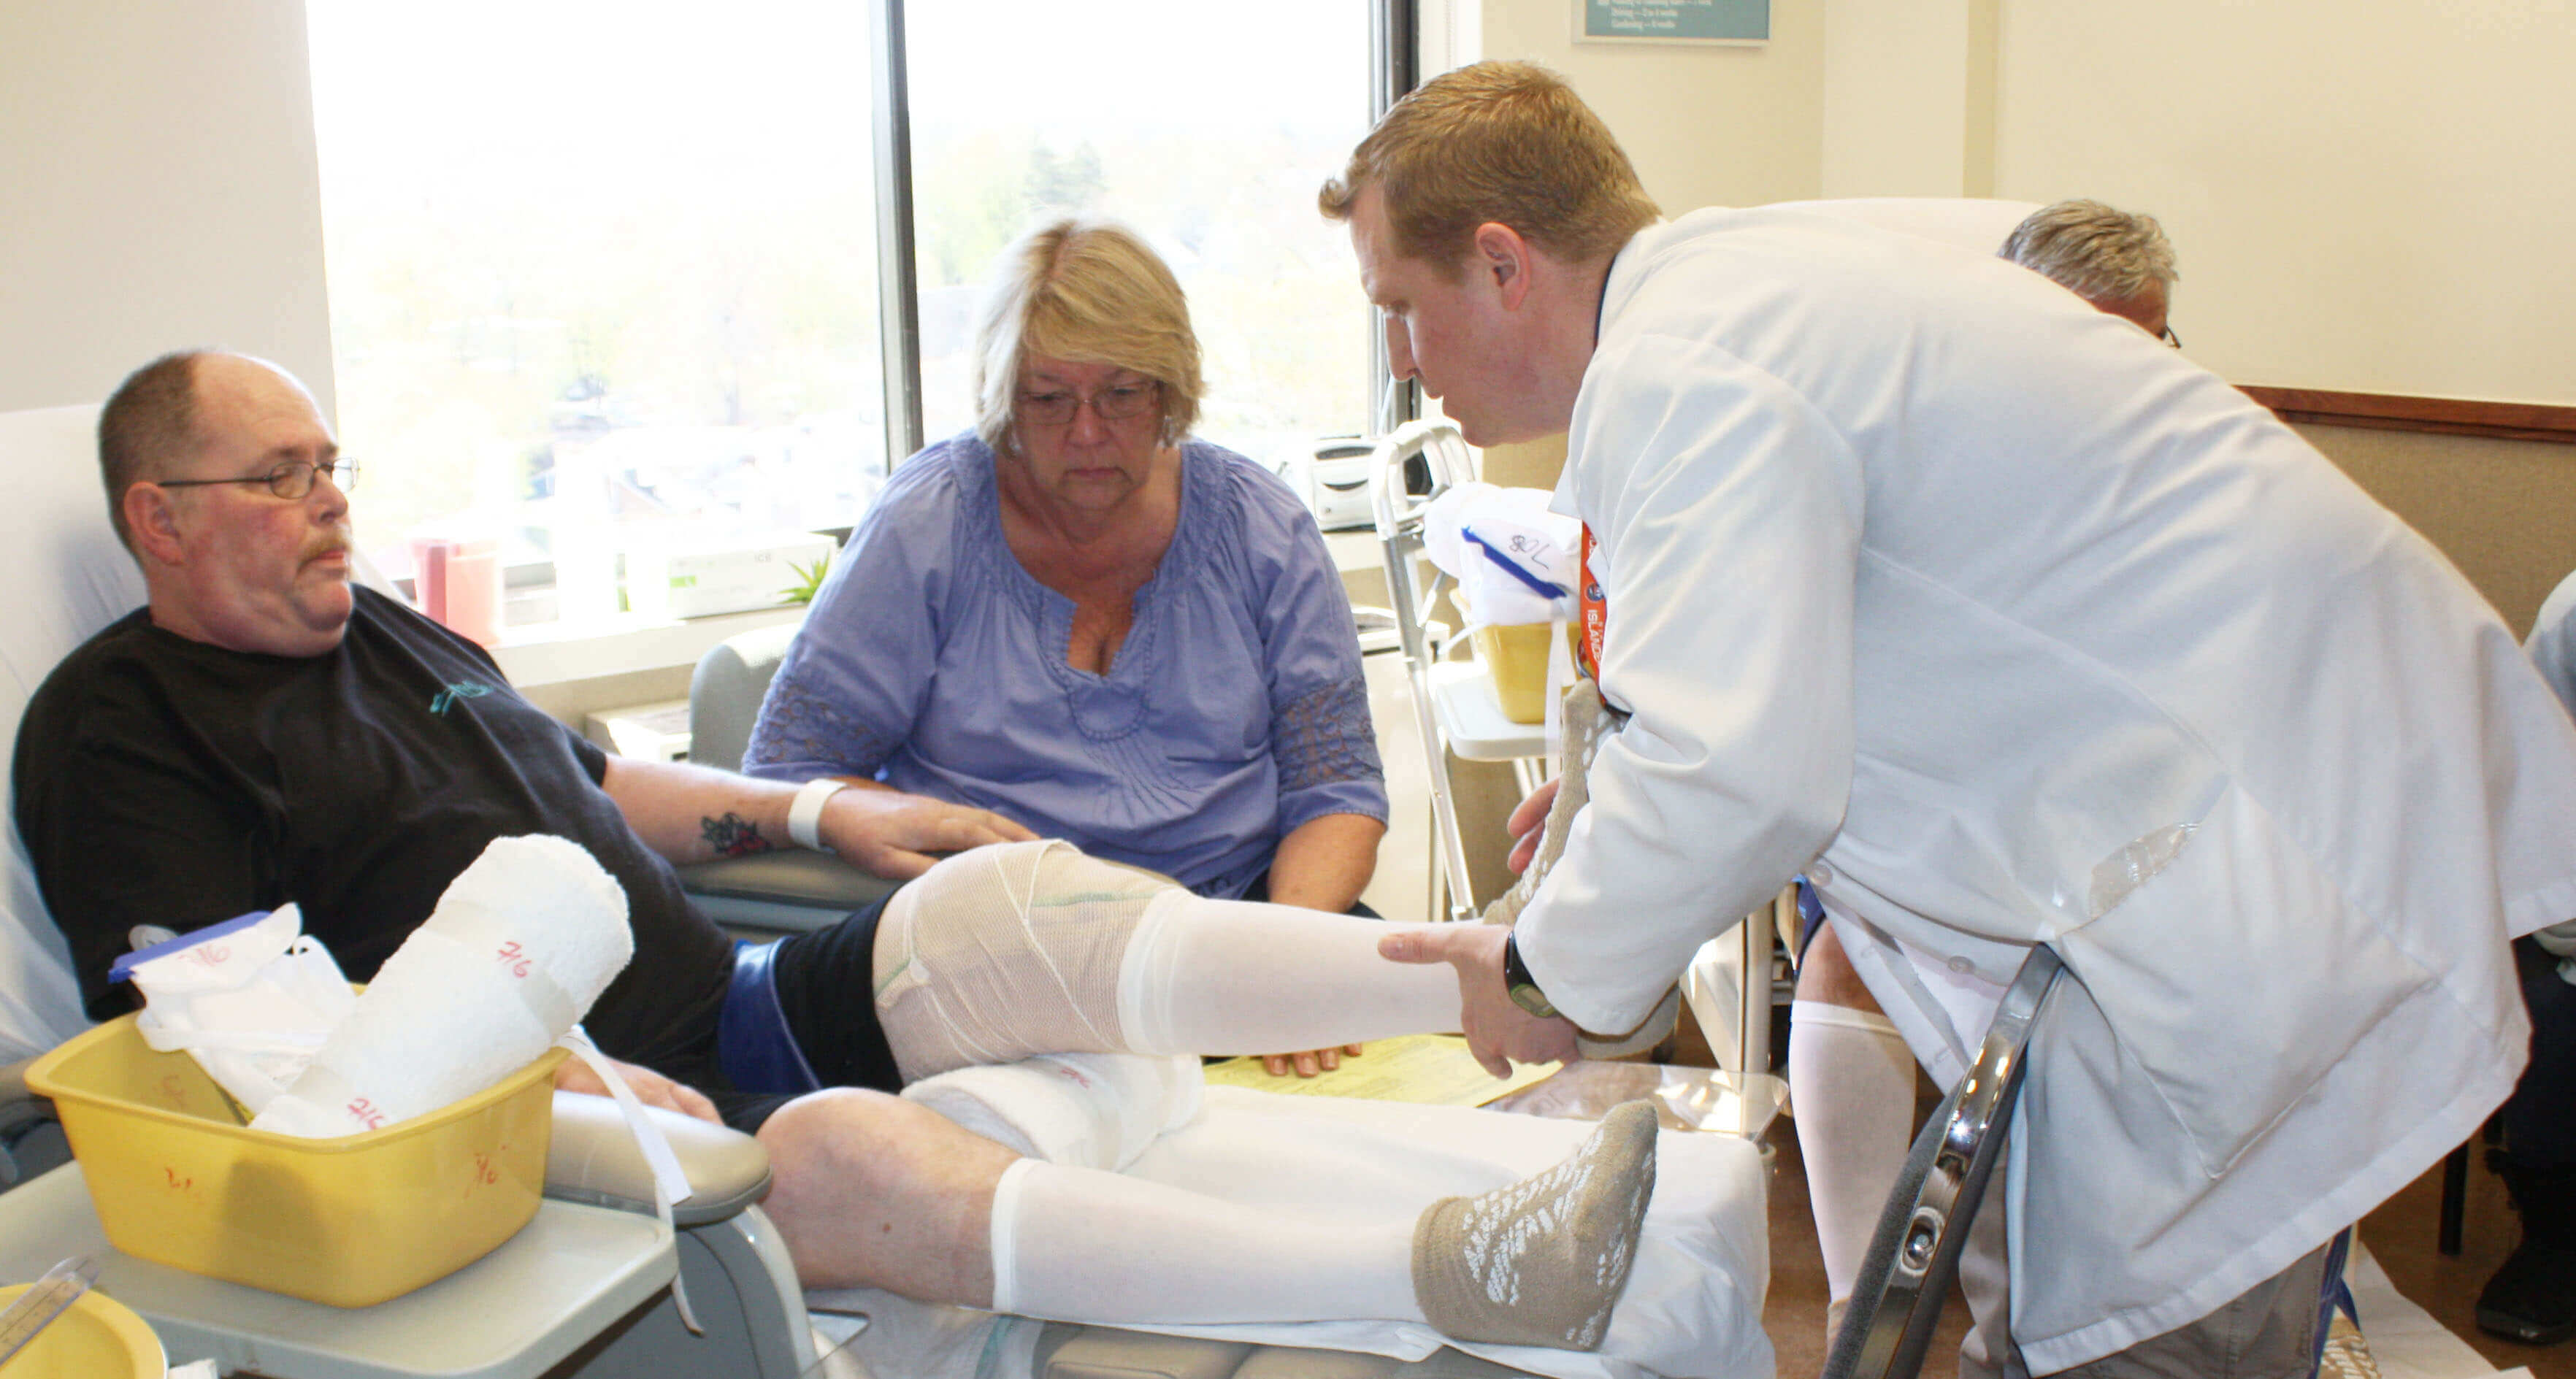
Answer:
[(790, 876), (593, 1159)]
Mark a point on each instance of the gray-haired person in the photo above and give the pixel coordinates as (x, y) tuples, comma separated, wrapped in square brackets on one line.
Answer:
[(2120, 261)]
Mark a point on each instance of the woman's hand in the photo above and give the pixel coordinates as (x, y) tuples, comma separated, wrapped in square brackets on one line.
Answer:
[(1309, 1063), (891, 834)]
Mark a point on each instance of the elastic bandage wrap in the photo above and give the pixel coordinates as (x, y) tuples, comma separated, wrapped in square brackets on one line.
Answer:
[(1006, 952)]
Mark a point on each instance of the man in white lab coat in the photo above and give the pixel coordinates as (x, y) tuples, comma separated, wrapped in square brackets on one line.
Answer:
[(2009, 625)]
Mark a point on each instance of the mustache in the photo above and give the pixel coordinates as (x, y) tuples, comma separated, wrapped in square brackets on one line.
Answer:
[(329, 543)]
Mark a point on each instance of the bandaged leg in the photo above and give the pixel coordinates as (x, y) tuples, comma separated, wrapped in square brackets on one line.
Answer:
[(1540, 1262), (1851, 1083), (1082, 1110), (1021, 949)]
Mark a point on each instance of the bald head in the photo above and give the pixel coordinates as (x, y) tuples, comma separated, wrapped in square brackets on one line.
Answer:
[(190, 446), (151, 427)]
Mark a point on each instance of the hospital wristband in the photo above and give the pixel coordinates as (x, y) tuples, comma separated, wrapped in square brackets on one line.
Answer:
[(805, 816)]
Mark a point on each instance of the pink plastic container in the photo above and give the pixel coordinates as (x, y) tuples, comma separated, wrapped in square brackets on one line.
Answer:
[(459, 583)]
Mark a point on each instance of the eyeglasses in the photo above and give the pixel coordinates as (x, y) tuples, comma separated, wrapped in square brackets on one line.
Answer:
[(293, 479), (2170, 338), (1117, 402)]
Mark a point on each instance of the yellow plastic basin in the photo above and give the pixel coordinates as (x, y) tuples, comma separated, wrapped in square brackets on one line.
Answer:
[(349, 1221), (98, 1338)]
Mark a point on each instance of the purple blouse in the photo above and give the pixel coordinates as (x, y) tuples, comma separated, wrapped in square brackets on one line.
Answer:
[(1233, 713)]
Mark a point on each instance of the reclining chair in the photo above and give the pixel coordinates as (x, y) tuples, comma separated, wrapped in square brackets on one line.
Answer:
[(73, 579)]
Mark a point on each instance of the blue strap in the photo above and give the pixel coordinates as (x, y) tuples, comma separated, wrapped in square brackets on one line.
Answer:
[(753, 1044), (2335, 1296), (1545, 589)]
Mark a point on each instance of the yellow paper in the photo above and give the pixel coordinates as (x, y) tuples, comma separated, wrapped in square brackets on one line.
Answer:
[(1426, 1069)]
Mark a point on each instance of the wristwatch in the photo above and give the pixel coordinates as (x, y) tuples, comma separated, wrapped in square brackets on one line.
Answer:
[(1518, 982)]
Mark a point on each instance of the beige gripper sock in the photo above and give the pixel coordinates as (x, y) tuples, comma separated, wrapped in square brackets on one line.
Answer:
[(1588, 723), (1542, 1261)]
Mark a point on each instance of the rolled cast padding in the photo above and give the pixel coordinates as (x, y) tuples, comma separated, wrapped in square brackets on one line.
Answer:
[(520, 946)]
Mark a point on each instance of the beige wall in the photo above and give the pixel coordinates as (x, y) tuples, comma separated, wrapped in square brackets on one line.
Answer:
[(158, 189), (1706, 126)]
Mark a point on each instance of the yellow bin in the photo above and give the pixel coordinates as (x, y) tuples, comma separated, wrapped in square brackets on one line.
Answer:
[(97, 1338), (1516, 657), (350, 1221)]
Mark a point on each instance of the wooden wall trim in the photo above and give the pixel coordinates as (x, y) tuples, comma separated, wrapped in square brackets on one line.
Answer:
[(2450, 416)]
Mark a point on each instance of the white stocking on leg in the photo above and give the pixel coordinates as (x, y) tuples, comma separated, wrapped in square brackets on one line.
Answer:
[(1851, 1082), (1538, 1262), (1228, 977), (1019, 949), (1077, 1244)]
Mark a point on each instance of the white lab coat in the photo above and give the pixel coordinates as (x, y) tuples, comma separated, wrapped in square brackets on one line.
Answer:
[(2038, 632)]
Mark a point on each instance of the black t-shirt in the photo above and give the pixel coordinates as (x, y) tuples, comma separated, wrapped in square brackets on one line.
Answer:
[(166, 781)]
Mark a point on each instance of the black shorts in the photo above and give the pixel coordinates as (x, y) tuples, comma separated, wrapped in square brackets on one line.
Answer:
[(827, 990)]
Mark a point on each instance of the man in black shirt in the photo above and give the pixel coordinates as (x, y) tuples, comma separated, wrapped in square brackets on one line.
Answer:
[(264, 732)]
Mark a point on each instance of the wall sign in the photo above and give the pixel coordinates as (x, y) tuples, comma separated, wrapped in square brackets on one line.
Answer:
[(1672, 21)]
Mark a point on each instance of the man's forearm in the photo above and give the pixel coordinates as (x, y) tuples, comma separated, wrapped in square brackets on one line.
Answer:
[(696, 814), (1325, 862)]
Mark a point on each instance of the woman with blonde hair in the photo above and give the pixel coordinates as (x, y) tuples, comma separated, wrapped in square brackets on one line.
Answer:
[(1079, 617)]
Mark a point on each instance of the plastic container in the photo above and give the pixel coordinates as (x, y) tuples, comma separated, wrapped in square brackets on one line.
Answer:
[(1516, 658), (459, 583), (96, 1338), (349, 1221)]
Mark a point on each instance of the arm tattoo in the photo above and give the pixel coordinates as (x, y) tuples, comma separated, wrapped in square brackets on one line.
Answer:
[(733, 836)]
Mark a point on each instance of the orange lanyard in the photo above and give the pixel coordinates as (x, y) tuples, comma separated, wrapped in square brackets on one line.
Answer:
[(1595, 613)]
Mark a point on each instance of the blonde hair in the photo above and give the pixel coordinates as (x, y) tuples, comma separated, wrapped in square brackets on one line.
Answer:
[(1087, 292), (1502, 142)]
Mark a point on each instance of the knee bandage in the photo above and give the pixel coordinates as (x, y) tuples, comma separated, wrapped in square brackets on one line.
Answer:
[(1007, 952)]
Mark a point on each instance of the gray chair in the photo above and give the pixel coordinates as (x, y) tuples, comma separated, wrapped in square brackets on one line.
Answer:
[(775, 893)]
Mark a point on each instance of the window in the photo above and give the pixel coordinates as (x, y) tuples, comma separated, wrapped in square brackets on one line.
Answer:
[(603, 276)]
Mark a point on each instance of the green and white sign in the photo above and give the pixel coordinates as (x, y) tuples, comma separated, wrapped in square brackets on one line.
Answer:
[(1674, 21)]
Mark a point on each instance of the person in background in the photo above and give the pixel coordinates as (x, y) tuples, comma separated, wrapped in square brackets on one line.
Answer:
[(2532, 1297), (1080, 618), (2006, 626), (2118, 260)]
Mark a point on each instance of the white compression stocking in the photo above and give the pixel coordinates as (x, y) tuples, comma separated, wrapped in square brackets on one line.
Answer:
[(1851, 1087), (1541, 1261), (1078, 1244), (1021, 949), (1231, 977)]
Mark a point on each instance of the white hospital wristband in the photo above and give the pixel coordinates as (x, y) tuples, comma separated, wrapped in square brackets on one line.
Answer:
[(806, 814)]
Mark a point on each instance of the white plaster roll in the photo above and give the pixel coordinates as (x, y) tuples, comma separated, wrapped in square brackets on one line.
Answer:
[(520, 946)]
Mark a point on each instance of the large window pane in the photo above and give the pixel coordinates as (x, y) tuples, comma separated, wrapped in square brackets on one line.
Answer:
[(602, 273), (1206, 125)]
